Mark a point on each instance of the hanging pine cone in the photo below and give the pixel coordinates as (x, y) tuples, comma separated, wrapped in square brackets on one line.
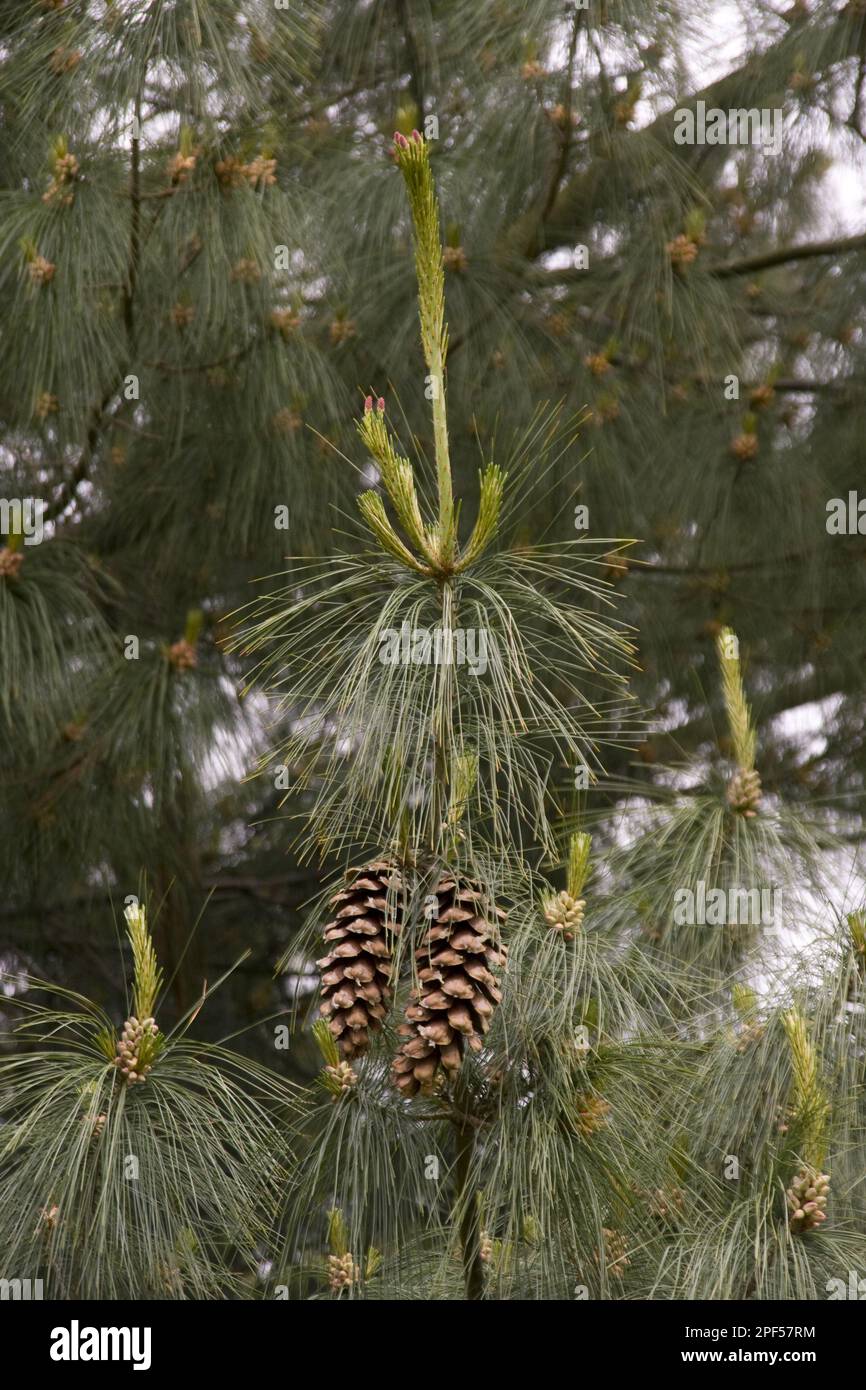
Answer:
[(744, 792), (457, 992), (807, 1198), (356, 974)]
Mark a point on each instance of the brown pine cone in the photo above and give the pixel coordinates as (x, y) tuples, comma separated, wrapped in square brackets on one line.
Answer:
[(356, 973), (457, 993)]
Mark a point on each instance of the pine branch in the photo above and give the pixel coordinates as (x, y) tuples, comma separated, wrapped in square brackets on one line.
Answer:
[(81, 472), (837, 246), (468, 1213), (565, 131)]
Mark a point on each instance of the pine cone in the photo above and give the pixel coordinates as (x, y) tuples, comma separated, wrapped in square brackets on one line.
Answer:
[(342, 1272), (457, 993), (182, 315), (246, 271), (285, 321), (682, 251), (564, 914), (342, 330), (745, 446), (41, 270), (744, 792), (137, 1043), (454, 258), (182, 655), (807, 1198), (590, 1114), (356, 974), (230, 171), (667, 1204), (751, 1033), (48, 1217), (343, 1077), (761, 396), (10, 562), (286, 421), (614, 1256), (64, 60), (261, 171), (180, 166)]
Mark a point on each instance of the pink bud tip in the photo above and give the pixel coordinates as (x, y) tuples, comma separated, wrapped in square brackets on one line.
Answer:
[(380, 405), (416, 135), (368, 405), (400, 140)]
